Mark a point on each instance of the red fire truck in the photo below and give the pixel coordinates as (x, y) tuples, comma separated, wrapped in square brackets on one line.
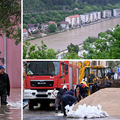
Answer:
[(41, 77)]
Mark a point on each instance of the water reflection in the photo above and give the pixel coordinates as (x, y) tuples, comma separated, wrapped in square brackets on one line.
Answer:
[(12, 111)]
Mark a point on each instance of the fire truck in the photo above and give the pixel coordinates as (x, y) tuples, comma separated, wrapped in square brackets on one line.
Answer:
[(42, 77)]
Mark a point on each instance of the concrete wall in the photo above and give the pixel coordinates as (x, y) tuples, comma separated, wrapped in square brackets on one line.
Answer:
[(13, 61)]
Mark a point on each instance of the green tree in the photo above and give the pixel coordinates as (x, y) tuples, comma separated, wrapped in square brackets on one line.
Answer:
[(76, 48), (52, 28), (10, 17), (38, 52), (25, 26)]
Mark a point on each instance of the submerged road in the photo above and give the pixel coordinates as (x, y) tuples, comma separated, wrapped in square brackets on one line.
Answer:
[(76, 36)]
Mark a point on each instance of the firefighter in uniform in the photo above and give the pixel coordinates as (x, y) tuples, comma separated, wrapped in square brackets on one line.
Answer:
[(4, 85)]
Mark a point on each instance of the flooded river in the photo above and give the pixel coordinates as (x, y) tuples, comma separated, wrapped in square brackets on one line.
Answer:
[(76, 36), (12, 111)]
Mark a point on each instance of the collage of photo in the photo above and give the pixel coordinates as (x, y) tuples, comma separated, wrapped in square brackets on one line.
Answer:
[(59, 59)]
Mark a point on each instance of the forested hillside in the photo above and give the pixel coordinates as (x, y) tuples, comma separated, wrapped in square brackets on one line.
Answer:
[(42, 11), (30, 6)]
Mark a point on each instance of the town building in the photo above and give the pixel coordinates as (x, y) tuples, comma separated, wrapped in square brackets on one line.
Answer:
[(90, 17), (107, 13), (64, 24), (52, 22), (25, 33), (74, 20), (44, 26), (116, 12), (32, 27), (10, 57)]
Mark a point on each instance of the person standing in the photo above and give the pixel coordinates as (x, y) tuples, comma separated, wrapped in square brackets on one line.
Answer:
[(4, 85), (95, 87)]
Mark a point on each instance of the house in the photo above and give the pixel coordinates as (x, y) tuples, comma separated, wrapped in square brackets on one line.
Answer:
[(44, 26), (52, 22), (64, 24), (32, 27), (74, 20), (25, 33), (107, 13), (116, 12)]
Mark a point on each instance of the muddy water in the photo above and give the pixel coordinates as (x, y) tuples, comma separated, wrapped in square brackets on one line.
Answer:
[(12, 111), (76, 36)]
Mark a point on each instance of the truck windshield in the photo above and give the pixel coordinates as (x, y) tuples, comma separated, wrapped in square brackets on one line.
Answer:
[(42, 68)]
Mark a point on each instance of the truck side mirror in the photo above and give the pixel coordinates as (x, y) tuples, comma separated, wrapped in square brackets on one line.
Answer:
[(66, 67), (66, 73)]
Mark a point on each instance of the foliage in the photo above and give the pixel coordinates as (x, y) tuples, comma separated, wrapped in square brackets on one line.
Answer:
[(71, 55), (76, 48), (35, 32), (10, 16), (38, 52), (106, 47), (25, 26), (52, 27)]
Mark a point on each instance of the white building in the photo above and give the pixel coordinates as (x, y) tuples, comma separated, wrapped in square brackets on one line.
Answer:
[(64, 24), (107, 13), (44, 26), (32, 27), (25, 33), (116, 12), (90, 17), (73, 20)]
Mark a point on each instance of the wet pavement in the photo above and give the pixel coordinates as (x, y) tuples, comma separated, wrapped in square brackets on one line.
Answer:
[(12, 111), (41, 114)]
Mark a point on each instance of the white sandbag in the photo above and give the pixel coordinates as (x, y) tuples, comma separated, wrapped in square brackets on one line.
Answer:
[(88, 112)]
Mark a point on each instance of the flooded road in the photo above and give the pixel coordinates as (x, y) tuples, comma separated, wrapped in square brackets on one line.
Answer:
[(12, 111), (76, 36), (38, 114)]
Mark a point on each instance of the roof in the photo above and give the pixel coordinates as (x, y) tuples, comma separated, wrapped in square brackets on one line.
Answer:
[(64, 22), (52, 22), (74, 16), (24, 31), (30, 25)]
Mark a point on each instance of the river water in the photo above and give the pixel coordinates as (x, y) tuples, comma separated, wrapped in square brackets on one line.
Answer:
[(12, 111), (76, 36)]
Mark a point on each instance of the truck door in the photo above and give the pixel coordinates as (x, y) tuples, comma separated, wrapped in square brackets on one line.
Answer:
[(70, 77)]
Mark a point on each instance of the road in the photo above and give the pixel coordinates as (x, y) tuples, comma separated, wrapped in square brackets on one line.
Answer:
[(49, 114)]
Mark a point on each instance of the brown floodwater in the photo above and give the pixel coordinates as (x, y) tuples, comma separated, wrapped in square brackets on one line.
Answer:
[(76, 36), (12, 111)]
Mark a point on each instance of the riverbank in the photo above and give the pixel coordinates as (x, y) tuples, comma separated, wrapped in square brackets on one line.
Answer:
[(65, 30)]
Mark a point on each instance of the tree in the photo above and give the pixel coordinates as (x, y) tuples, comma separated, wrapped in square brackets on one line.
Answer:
[(10, 17), (52, 27), (106, 47), (25, 26), (38, 52), (76, 48)]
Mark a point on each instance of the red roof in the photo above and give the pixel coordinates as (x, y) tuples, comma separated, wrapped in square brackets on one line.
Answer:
[(24, 31), (52, 22), (74, 16)]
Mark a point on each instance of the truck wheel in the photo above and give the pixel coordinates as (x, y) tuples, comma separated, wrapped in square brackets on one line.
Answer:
[(30, 104)]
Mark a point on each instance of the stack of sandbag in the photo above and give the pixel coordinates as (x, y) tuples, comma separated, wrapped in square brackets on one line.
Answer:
[(84, 111)]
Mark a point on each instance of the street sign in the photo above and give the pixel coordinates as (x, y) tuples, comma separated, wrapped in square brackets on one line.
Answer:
[(118, 69), (118, 73)]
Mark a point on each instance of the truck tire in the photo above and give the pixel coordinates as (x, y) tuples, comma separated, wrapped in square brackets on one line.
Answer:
[(30, 104)]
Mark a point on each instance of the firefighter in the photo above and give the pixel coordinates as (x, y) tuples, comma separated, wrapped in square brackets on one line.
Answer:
[(59, 96), (82, 91), (108, 84), (70, 92), (4, 85), (68, 99), (95, 87)]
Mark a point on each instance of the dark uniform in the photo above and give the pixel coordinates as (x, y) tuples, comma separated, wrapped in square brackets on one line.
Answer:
[(68, 100), (108, 84), (70, 92), (95, 87), (4, 88)]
